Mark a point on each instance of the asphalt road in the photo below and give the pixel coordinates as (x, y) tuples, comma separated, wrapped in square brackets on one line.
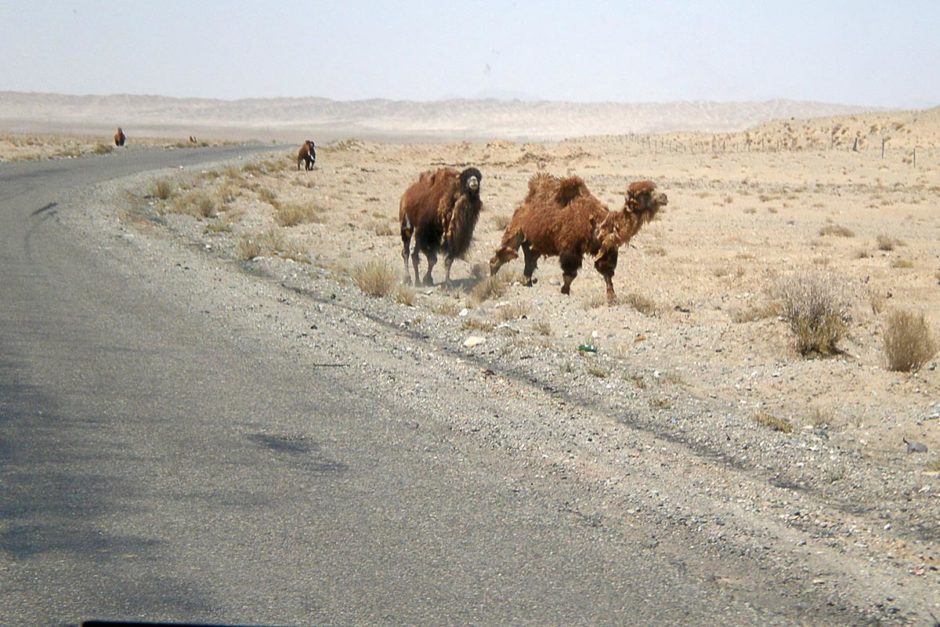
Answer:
[(156, 468)]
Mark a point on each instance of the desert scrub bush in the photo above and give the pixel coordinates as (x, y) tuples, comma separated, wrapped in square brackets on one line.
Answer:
[(269, 196), (902, 263), (383, 229), (908, 341), (492, 286), (292, 214), (162, 189), (758, 312), (196, 202), (375, 278), (249, 247), (501, 221), (405, 295), (770, 421), (640, 303), (815, 307), (103, 149), (542, 328), (512, 312), (448, 308), (270, 243), (835, 229), (887, 243), (597, 371), (474, 324)]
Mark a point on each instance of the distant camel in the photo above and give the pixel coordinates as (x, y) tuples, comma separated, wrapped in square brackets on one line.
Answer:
[(307, 155), (120, 137)]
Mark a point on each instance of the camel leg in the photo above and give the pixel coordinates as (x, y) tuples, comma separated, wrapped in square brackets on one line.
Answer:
[(606, 264), (414, 262), (531, 263), (570, 264), (432, 259), (406, 250), (448, 262)]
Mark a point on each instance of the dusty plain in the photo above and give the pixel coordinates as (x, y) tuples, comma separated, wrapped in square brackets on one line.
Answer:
[(695, 351)]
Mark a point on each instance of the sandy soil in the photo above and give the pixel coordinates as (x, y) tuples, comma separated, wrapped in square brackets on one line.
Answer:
[(696, 341)]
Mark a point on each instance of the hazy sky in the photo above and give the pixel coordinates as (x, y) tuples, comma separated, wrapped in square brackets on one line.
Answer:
[(867, 52)]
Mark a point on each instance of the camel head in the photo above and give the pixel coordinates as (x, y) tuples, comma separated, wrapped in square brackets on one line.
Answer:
[(470, 181), (644, 200)]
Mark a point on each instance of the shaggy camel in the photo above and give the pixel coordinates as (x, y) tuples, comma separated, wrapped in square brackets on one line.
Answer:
[(120, 137), (307, 155), (561, 217), (440, 209)]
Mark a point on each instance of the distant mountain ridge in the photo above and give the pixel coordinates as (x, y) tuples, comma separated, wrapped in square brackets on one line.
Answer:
[(284, 118)]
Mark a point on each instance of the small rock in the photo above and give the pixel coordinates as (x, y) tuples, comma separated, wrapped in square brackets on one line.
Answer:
[(473, 340), (915, 447)]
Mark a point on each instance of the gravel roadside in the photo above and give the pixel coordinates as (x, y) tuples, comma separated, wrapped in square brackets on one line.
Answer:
[(697, 465)]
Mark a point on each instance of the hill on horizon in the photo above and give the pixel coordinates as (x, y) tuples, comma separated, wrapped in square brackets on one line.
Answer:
[(286, 119)]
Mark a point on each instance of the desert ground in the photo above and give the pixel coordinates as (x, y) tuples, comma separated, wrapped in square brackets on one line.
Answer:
[(698, 344)]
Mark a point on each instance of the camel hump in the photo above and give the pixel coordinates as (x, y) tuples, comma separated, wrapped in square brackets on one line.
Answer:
[(569, 188)]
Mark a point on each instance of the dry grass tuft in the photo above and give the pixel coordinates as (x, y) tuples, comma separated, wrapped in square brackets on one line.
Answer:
[(759, 312), (292, 214), (491, 286), (473, 324), (908, 341), (837, 230), (197, 203), (249, 247), (886, 243), (269, 196), (270, 243), (770, 421), (501, 221), (815, 307), (512, 312), (162, 189), (542, 328), (640, 303), (375, 278), (405, 295)]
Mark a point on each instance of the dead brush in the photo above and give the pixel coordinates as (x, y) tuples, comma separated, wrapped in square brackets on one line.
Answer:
[(886, 243), (758, 312), (816, 309), (908, 341), (269, 196), (837, 230), (770, 421), (162, 189), (375, 278), (512, 312), (293, 214), (493, 286), (198, 203)]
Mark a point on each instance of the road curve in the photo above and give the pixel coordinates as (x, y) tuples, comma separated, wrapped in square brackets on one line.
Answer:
[(155, 466)]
